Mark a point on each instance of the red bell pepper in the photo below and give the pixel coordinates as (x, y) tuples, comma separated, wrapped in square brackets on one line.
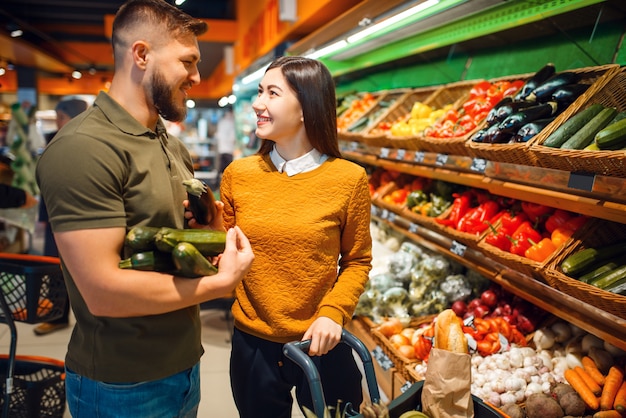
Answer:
[(511, 220), (460, 206), (557, 219), (575, 222), (536, 211), (478, 221), (523, 237)]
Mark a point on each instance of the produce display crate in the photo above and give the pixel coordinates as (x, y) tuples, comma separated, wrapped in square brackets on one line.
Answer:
[(388, 100), (527, 266), (343, 121), (609, 89), (601, 233), (455, 94), (38, 387), (377, 137), (32, 286), (399, 360), (522, 153)]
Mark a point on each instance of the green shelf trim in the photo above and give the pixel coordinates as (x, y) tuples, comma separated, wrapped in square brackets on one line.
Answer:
[(496, 19)]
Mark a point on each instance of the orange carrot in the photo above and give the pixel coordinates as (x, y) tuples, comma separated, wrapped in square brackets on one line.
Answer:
[(592, 369), (579, 385), (620, 399), (614, 379), (611, 413), (595, 388)]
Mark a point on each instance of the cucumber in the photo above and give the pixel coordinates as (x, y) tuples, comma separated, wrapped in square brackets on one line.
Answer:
[(141, 238), (149, 261), (597, 272), (190, 262), (571, 126), (618, 287), (612, 137), (610, 278), (586, 134), (208, 242), (580, 260)]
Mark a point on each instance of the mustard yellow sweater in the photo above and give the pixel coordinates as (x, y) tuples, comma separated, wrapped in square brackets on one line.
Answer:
[(311, 240)]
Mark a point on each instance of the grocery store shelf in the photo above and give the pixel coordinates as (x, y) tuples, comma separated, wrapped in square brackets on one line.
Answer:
[(593, 195), (600, 323)]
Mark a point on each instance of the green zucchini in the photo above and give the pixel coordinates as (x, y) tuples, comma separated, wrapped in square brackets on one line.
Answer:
[(190, 262), (208, 242), (576, 263), (610, 278), (618, 287), (613, 136), (587, 133), (598, 271), (571, 126), (141, 238), (149, 261)]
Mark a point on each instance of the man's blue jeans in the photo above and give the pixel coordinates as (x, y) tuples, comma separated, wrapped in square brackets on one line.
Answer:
[(173, 396)]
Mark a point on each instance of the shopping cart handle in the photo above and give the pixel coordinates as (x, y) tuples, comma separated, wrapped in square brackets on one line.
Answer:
[(297, 352)]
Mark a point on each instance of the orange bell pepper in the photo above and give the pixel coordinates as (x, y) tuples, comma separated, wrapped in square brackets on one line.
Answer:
[(560, 235), (541, 250)]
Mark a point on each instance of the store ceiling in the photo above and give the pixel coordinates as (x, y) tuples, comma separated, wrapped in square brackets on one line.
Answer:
[(49, 25)]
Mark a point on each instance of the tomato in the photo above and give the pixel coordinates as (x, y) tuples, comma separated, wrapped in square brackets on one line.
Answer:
[(459, 307), (480, 89), (489, 298)]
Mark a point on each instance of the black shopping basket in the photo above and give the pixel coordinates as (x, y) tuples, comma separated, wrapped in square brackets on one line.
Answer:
[(410, 400), (32, 291)]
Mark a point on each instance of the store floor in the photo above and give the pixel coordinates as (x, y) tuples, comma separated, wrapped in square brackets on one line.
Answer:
[(216, 399)]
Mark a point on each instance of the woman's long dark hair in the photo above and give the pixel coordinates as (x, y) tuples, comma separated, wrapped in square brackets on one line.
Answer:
[(315, 90)]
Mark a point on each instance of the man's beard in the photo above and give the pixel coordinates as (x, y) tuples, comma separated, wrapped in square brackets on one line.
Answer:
[(164, 102)]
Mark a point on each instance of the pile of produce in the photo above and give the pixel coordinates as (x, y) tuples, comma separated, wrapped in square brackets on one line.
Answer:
[(594, 128), (415, 122), (358, 105), (603, 267), (533, 230), (415, 282), (472, 211), (540, 100), (182, 252)]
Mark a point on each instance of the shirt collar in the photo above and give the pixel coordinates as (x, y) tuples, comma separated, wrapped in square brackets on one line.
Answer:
[(309, 161)]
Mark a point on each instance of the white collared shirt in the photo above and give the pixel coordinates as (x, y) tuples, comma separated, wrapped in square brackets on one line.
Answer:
[(309, 161)]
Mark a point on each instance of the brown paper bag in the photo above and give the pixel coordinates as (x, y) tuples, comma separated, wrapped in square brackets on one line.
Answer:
[(446, 392)]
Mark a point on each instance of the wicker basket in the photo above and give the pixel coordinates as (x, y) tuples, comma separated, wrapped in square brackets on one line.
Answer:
[(524, 265), (376, 113), (342, 120), (455, 94), (609, 90), (400, 361), (520, 153), (601, 233)]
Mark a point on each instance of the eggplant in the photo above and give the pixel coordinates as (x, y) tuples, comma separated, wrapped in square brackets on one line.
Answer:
[(528, 131), (201, 201), (568, 93), (533, 82), (516, 120), (493, 135), (490, 116), (543, 92), (506, 110)]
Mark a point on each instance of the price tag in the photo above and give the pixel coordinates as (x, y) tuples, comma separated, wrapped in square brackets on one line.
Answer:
[(442, 159), (400, 154), (581, 181), (384, 152), (479, 165), (391, 217), (458, 248), (354, 146), (413, 227), (374, 210), (419, 157), (405, 387), (384, 214), (381, 358)]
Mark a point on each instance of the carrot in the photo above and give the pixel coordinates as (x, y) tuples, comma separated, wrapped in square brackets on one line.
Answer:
[(579, 385), (595, 388), (611, 413), (592, 369), (614, 379), (620, 399)]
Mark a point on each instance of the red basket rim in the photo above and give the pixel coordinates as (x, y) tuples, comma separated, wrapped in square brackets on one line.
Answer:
[(35, 359), (30, 257)]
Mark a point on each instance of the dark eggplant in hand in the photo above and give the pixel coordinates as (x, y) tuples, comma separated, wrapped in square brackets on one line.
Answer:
[(533, 82), (566, 95), (528, 131), (515, 121), (201, 201), (544, 91)]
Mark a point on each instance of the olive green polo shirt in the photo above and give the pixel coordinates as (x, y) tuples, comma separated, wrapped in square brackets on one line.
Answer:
[(105, 169)]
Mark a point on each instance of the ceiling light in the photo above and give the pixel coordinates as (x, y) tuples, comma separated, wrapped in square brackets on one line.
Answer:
[(16, 33), (179, 2), (232, 99), (2, 71), (255, 76), (327, 50), (77, 75), (190, 104), (223, 101), (392, 20)]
